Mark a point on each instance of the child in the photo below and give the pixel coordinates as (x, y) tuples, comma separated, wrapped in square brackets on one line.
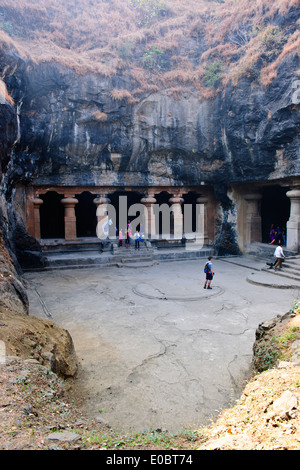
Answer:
[(120, 238), (136, 237), (209, 273)]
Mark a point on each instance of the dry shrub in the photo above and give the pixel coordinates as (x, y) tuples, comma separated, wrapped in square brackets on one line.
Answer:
[(205, 93), (105, 37), (99, 116), (269, 72), (119, 95), (153, 88), (178, 75), (175, 93)]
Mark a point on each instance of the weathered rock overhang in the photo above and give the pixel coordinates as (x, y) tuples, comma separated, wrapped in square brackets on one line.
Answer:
[(71, 135)]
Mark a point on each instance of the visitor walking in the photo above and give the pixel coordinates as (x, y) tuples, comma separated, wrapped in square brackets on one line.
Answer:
[(279, 255), (136, 237), (129, 234), (208, 269)]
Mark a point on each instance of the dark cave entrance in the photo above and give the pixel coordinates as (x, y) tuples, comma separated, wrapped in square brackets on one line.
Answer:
[(52, 216), (85, 210), (122, 201), (275, 209), (190, 199), (166, 228)]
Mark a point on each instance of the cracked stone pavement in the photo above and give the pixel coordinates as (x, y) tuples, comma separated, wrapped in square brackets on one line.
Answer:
[(155, 349)]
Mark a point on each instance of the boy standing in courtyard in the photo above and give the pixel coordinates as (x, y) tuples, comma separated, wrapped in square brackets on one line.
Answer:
[(209, 273)]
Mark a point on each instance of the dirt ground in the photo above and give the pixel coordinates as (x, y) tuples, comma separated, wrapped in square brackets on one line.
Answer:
[(35, 404), (38, 412)]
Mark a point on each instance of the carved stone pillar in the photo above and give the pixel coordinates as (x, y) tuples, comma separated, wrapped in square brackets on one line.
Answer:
[(70, 217), (253, 218), (176, 202), (150, 229), (36, 226), (202, 219), (102, 214), (293, 224)]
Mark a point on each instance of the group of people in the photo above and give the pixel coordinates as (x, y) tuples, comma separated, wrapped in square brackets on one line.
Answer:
[(137, 237), (277, 235)]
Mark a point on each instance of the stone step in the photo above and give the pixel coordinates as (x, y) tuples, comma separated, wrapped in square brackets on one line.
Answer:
[(77, 261), (285, 274), (266, 250), (67, 246), (288, 274), (137, 264), (71, 266), (290, 268), (293, 264), (118, 256), (139, 259)]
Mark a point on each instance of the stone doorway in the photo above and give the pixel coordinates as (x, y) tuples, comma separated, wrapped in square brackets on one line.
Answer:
[(85, 211), (52, 216), (275, 209), (163, 198), (124, 199), (191, 199)]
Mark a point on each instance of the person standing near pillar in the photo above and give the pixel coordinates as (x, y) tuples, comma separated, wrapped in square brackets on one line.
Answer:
[(209, 273), (128, 234), (136, 237), (120, 238)]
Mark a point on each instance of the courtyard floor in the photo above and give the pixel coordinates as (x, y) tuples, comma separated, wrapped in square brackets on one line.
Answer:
[(155, 349)]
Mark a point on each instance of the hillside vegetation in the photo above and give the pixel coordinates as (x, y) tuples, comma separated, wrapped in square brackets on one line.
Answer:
[(156, 44)]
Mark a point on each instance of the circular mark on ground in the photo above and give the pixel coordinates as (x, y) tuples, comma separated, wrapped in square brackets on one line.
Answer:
[(159, 293)]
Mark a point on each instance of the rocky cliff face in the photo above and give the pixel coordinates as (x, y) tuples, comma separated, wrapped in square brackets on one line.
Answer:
[(66, 129), (22, 335), (74, 132)]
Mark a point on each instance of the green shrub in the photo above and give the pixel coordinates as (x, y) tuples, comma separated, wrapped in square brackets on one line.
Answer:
[(154, 59), (213, 74)]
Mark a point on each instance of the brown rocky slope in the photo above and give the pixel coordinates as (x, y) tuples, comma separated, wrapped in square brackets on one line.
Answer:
[(29, 337)]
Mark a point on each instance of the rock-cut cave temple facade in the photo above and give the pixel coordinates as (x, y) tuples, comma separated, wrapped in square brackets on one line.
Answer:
[(74, 149)]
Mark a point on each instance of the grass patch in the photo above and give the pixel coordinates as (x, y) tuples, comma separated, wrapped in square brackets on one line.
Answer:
[(164, 440)]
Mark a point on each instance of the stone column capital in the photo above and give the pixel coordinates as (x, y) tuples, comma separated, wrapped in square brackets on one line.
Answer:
[(148, 200), (69, 201), (176, 199), (293, 193), (101, 199), (37, 201)]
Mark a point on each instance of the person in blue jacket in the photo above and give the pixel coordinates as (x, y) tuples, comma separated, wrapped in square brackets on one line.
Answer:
[(209, 273)]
